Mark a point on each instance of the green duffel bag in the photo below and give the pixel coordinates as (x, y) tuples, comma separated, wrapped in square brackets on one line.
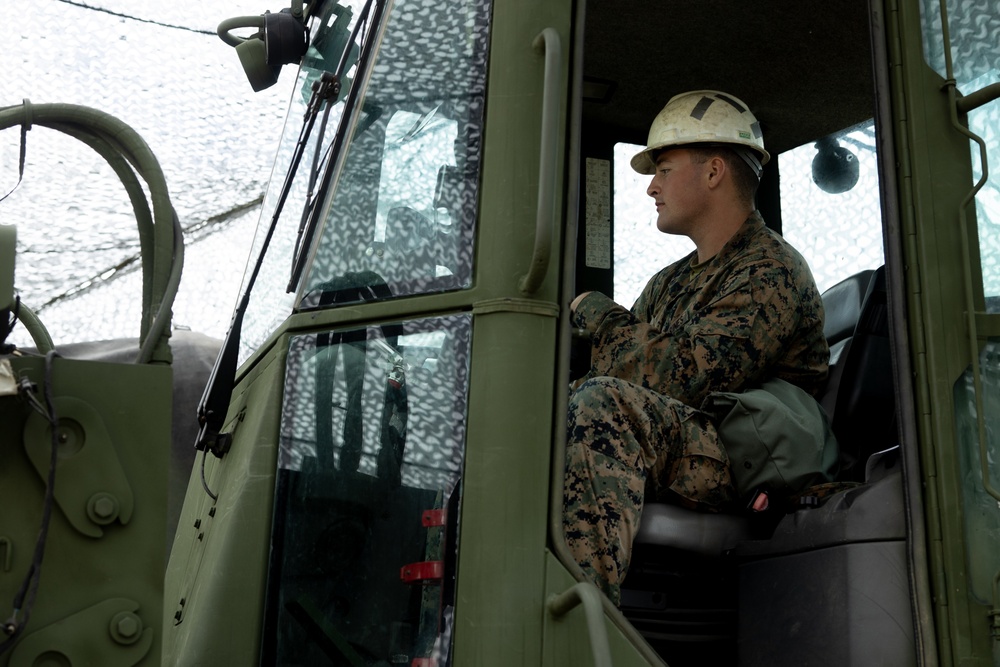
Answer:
[(778, 439)]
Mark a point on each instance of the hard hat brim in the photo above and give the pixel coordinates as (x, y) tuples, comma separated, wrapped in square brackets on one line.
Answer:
[(643, 162)]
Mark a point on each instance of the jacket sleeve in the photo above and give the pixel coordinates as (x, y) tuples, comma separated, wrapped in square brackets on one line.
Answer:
[(722, 345)]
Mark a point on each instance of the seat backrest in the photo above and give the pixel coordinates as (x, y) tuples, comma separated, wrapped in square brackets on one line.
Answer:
[(858, 399), (842, 310), (860, 396)]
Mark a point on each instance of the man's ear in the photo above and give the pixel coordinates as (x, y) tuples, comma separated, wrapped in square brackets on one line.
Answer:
[(715, 169)]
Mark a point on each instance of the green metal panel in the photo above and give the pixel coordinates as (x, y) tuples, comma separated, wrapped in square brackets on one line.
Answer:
[(502, 543), (501, 568), (100, 585), (935, 176), (511, 147), (215, 581)]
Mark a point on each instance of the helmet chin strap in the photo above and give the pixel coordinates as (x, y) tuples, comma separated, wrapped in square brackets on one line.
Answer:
[(749, 156)]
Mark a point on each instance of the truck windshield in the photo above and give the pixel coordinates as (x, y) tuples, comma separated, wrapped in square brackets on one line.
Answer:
[(401, 201), (270, 303)]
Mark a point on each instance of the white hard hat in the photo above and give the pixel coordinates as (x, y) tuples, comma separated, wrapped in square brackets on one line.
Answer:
[(704, 117)]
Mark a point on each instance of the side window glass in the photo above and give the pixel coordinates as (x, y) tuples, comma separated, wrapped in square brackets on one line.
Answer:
[(982, 524), (401, 217), (640, 248), (830, 211), (414, 231), (830, 206), (364, 536), (972, 28)]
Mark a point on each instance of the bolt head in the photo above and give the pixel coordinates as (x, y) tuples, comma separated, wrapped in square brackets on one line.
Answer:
[(126, 628), (102, 508)]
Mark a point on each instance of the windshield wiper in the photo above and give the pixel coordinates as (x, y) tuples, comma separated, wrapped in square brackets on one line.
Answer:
[(219, 390), (327, 89), (310, 211)]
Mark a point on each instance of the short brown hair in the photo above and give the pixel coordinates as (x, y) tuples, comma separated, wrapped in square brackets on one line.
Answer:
[(744, 179)]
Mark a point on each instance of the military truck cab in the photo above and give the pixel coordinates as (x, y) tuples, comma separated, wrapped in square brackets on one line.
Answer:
[(379, 475)]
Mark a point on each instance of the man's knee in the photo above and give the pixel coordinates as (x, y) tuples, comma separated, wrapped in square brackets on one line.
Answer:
[(608, 400), (602, 420), (703, 483), (599, 393)]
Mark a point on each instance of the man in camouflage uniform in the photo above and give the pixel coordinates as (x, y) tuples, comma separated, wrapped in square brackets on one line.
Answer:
[(742, 308)]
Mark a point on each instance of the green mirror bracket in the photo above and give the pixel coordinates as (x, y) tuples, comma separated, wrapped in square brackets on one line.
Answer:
[(93, 490), (110, 633), (281, 39)]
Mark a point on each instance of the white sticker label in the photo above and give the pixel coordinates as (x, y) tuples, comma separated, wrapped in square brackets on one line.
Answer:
[(598, 213)]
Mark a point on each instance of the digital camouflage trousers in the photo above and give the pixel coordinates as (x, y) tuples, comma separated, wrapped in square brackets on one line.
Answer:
[(625, 444)]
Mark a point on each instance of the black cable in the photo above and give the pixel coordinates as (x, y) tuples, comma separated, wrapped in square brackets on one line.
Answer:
[(136, 18), (24, 600), (204, 482), (25, 126), (6, 328)]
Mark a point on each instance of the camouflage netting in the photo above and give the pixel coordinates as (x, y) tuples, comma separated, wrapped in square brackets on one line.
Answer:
[(185, 93)]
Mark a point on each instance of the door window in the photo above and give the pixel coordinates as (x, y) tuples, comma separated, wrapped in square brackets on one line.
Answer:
[(365, 534)]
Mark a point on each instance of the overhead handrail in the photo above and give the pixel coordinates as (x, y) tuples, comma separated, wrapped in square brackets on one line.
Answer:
[(548, 42)]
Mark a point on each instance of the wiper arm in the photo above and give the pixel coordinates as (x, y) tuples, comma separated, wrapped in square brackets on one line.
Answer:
[(310, 211), (219, 390), (327, 89)]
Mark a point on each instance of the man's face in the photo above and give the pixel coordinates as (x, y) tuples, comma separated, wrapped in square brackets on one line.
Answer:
[(677, 189)]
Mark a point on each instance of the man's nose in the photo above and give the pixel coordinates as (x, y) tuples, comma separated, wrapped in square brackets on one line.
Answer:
[(653, 188)]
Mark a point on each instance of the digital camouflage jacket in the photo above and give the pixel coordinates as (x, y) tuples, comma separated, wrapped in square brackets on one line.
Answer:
[(750, 313)]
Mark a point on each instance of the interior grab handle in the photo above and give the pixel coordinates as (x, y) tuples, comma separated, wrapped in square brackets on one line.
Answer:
[(585, 593), (547, 41), (981, 97)]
